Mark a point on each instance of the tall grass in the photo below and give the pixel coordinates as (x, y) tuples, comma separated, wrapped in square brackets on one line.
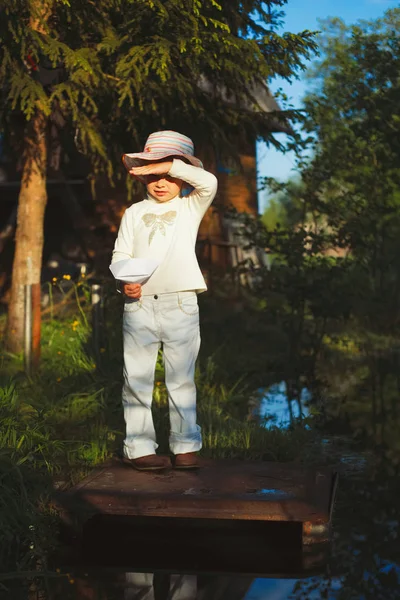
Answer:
[(229, 429), (54, 427), (67, 418)]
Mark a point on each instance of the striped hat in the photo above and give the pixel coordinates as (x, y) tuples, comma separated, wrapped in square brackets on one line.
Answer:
[(162, 144)]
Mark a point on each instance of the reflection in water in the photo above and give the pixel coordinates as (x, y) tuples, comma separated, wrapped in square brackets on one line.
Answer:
[(274, 407), (365, 560), (165, 586), (364, 564), (278, 494), (156, 586), (112, 585), (159, 586)]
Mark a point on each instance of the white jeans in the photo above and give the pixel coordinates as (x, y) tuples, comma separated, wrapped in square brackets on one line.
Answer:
[(140, 586), (173, 320)]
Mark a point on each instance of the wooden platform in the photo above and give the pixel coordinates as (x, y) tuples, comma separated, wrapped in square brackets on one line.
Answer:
[(221, 489)]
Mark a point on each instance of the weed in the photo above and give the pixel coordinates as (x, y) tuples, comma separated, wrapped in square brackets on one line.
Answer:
[(67, 418)]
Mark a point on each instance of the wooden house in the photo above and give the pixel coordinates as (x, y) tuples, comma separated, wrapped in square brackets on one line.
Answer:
[(81, 230), (218, 245)]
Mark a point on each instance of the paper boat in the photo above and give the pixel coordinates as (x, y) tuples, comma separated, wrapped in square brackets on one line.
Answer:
[(134, 270)]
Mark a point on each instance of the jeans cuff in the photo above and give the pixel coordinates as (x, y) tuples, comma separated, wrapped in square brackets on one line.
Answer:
[(181, 443), (139, 449)]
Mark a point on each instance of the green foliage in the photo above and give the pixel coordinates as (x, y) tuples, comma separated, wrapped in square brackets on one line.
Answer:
[(353, 185), (54, 428), (67, 418), (25, 521), (111, 71), (324, 314), (330, 296), (355, 176), (285, 205)]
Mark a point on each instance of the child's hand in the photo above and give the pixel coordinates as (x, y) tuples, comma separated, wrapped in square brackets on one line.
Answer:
[(132, 290), (159, 168)]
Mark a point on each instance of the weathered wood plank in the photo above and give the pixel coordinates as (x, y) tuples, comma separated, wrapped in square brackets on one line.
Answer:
[(221, 489)]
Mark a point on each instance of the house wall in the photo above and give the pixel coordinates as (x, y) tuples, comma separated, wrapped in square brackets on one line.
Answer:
[(237, 188), (90, 232)]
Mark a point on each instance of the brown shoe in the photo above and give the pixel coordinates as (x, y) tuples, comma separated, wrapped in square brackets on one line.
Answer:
[(151, 462), (188, 460)]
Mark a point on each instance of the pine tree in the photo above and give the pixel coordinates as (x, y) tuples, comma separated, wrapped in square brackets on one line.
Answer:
[(113, 70)]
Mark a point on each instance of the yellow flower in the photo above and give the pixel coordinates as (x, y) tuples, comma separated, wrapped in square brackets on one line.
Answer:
[(59, 352), (58, 379), (54, 279), (68, 277)]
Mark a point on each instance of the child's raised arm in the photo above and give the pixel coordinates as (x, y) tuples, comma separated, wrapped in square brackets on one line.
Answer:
[(205, 184)]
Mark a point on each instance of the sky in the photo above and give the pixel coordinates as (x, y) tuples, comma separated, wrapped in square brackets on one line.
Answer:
[(305, 14)]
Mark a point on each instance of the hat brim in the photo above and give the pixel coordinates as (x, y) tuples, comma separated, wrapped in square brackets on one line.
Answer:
[(136, 160)]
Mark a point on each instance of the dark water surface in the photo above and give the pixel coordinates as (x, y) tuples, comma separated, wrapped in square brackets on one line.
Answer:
[(162, 586), (253, 564), (249, 562)]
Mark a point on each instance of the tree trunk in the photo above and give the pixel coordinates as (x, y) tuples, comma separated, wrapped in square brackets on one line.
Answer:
[(29, 235)]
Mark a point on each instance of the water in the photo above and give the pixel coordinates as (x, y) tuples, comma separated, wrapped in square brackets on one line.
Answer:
[(274, 407), (164, 586), (229, 565)]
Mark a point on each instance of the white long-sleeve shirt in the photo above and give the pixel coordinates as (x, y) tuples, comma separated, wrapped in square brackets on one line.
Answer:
[(167, 232)]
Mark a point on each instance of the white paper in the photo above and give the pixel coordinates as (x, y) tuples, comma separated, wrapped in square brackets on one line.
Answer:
[(134, 270)]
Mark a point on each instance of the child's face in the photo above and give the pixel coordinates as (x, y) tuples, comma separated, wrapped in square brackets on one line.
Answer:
[(163, 187)]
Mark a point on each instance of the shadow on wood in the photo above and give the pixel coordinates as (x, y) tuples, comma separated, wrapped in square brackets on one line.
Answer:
[(229, 516)]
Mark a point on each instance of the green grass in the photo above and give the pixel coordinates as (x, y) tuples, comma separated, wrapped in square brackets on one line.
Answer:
[(67, 418)]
